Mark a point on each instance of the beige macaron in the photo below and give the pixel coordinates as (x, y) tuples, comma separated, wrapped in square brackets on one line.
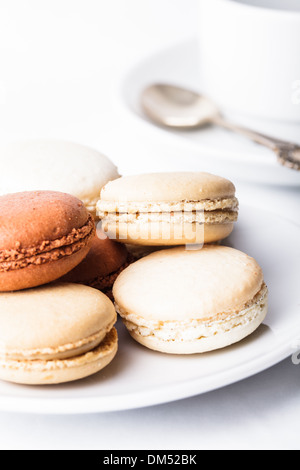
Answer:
[(55, 333), (182, 302), (168, 208)]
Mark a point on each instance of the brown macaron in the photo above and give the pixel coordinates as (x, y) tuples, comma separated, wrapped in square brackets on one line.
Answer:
[(43, 235), (102, 265)]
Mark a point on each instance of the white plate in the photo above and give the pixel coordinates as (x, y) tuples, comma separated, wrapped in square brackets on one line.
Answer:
[(139, 377), (212, 148)]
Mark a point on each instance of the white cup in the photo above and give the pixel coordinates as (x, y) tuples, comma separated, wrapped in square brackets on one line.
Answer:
[(250, 56)]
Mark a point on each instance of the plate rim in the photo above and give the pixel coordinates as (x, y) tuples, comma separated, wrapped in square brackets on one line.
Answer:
[(126, 402)]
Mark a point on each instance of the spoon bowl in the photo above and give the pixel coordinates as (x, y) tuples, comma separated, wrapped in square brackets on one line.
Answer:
[(173, 106), (178, 108)]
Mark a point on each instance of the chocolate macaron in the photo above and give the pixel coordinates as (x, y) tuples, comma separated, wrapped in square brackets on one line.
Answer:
[(102, 265), (43, 235)]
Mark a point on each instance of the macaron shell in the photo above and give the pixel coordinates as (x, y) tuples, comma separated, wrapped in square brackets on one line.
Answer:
[(104, 258), (177, 186), (61, 371), (166, 234), (58, 166), (49, 317), (181, 284), (27, 219)]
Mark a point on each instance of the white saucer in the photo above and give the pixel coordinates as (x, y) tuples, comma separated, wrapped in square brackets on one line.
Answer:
[(139, 377), (209, 149)]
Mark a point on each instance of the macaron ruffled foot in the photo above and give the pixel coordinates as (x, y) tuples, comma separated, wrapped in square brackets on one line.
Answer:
[(55, 334)]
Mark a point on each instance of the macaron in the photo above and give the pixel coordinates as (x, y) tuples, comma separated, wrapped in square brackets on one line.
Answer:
[(55, 333), (168, 208), (182, 301), (102, 265), (43, 235), (57, 166)]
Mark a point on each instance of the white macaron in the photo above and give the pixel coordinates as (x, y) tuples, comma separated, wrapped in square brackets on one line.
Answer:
[(56, 166), (183, 302)]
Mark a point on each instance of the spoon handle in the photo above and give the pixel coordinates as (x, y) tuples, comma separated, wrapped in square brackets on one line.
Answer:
[(270, 142)]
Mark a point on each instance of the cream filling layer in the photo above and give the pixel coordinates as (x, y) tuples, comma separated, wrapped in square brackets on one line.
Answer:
[(90, 203), (57, 353), (105, 207), (200, 217), (106, 348), (195, 330)]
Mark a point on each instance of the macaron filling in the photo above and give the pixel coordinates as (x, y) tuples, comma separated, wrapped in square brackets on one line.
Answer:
[(106, 348), (105, 207), (47, 250), (118, 219), (90, 203), (59, 352), (195, 330), (169, 223), (200, 217)]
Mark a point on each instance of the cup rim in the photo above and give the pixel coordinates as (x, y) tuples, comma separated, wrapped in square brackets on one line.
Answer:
[(265, 10)]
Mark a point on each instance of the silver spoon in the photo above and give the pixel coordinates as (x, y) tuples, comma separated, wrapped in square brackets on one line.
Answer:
[(179, 108)]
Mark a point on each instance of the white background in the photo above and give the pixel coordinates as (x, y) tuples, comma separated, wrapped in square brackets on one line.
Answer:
[(60, 61)]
